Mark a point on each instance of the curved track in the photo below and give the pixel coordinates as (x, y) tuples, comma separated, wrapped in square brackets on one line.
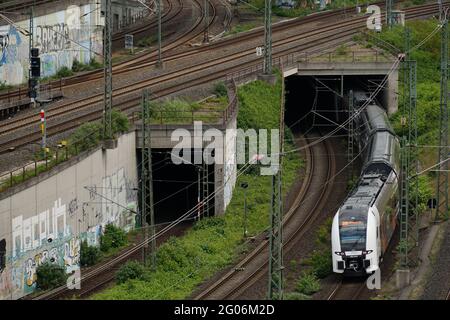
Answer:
[(86, 111), (296, 221)]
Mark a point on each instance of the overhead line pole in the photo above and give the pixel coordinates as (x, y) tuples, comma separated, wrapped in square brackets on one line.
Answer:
[(159, 34), (147, 205), (442, 176), (275, 288), (268, 37), (107, 57)]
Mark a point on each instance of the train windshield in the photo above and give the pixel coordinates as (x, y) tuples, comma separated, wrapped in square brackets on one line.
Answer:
[(352, 231)]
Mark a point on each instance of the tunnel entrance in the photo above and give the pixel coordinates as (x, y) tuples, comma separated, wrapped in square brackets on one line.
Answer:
[(317, 101), (176, 188)]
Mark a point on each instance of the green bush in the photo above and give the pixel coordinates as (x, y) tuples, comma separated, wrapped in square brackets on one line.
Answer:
[(112, 238), (64, 72), (220, 89), (85, 137), (89, 255), (120, 123), (50, 276), (321, 263), (92, 65), (130, 270), (296, 296), (308, 284)]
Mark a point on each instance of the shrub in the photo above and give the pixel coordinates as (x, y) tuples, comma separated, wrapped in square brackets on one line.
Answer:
[(130, 270), (112, 238), (220, 89), (296, 296), (120, 123), (308, 284), (50, 276), (64, 72), (85, 137), (321, 263), (89, 255)]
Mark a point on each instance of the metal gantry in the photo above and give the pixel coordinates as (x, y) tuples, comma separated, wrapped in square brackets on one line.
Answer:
[(351, 134), (107, 60), (158, 4), (275, 288), (206, 13), (389, 5), (268, 37), (442, 176), (147, 210), (205, 193), (409, 182)]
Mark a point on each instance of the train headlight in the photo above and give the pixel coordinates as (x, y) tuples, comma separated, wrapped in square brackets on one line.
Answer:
[(367, 252), (340, 253)]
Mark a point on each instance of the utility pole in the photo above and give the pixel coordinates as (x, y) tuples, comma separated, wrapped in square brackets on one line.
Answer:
[(268, 37), (159, 34), (442, 177), (205, 199), (107, 60), (389, 5), (147, 208), (350, 134), (275, 289), (409, 182), (206, 13)]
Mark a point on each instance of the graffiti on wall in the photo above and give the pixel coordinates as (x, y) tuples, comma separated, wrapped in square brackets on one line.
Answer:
[(60, 37), (55, 234)]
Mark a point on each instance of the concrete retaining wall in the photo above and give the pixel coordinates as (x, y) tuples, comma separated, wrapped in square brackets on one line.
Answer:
[(52, 32), (46, 219)]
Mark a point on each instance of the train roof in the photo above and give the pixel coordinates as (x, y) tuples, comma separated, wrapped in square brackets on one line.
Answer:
[(363, 196), (378, 119)]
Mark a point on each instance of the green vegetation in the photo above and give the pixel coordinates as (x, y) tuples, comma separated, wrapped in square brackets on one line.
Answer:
[(308, 284), (146, 42), (242, 27), (92, 65), (49, 275), (215, 242), (64, 72), (179, 111), (220, 89), (85, 137), (130, 270), (112, 238), (320, 259), (89, 255), (4, 86)]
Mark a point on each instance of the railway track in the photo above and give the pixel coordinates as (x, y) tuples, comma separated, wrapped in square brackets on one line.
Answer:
[(148, 59), (347, 290), (448, 295), (319, 37), (95, 278), (195, 30), (295, 223)]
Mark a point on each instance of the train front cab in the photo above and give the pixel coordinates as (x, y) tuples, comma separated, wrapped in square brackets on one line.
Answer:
[(356, 243)]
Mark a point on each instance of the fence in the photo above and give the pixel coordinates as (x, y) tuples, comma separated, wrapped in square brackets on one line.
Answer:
[(166, 117), (63, 152)]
